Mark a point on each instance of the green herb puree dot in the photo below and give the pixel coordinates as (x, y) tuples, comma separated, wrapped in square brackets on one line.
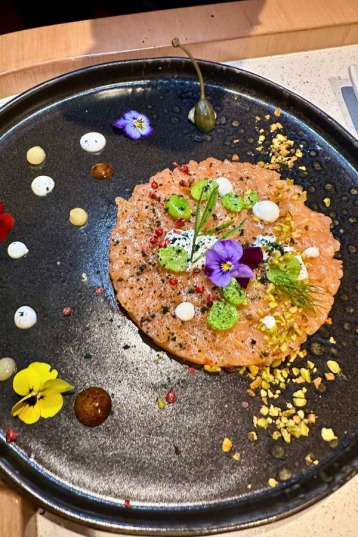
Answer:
[(234, 293), (222, 316), (174, 258)]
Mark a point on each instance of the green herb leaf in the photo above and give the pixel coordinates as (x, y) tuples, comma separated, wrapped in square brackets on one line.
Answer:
[(201, 220), (217, 229), (288, 270), (209, 207), (299, 292), (233, 230)]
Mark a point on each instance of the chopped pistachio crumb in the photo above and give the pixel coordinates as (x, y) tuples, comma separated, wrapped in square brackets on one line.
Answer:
[(226, 445), (212, 368), (252, 436), (328, 434), (161, 402), (327, 202), (236, 456), (333, 366)]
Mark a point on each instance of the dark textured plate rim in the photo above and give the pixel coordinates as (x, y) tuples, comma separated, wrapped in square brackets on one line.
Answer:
[(210, 518)]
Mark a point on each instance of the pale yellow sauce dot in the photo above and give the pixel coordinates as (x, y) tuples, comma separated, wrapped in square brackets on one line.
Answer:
[(35, 155), (7, 368), (78, 217)]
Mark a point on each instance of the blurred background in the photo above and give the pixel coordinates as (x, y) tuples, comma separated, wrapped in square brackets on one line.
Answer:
[(18, 15)]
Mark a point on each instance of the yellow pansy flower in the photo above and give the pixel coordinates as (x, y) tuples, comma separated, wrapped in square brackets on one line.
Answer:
[(41, 392)]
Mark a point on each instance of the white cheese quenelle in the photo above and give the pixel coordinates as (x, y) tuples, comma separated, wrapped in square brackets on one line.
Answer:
[(225, 186), (266, 210), (185, 311), (184, 239)]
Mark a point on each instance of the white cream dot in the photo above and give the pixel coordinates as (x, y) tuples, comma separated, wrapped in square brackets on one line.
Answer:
[(7, 368), (185, 311), (93, 142), (312, 251), (266, 210), (25, 317), (17, 249), (225, 186), (269, 321), (42, 185)]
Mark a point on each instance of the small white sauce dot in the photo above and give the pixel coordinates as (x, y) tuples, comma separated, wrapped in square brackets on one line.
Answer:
[(312, 251), (93, 142), (42, 185), (17, 249), (266, 210), (269, 321), (25, 317), (185, 311), (225, 186), (7, 368)]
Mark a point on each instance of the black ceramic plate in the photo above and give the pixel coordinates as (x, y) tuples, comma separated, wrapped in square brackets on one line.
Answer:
[(167, 462)]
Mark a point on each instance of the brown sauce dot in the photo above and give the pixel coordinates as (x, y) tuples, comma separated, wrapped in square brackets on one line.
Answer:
[(92, 406), (102, 171)]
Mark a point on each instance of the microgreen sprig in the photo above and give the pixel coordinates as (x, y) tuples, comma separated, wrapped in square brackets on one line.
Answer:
[(201, 219), (300, 293)]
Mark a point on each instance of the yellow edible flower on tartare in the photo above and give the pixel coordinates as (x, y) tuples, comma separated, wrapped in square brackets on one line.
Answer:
[(41, 392)]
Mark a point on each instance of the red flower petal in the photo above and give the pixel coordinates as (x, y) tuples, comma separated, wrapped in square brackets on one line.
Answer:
[(252, 257), (6, 224)]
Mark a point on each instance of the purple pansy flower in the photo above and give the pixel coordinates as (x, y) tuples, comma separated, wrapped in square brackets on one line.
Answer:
[(223, 263), (252, 257), (134, 125)]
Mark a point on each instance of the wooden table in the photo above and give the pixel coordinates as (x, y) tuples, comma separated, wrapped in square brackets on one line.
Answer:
[(219, 32)]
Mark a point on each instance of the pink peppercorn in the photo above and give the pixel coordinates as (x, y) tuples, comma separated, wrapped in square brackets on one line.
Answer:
[(99, 290), (152, 195), (173, 281), (180, 222), (170, 398), (67, 311), (159, 231), (154, 185), (11, 435)]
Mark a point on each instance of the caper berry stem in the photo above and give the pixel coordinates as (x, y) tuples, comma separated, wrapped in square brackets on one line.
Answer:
[(176, 43)]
